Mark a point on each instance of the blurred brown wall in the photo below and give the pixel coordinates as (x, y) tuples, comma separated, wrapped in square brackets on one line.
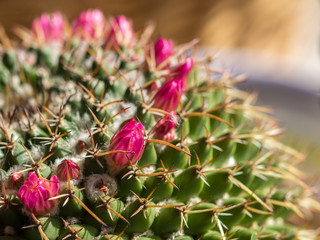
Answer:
[(257, 24)]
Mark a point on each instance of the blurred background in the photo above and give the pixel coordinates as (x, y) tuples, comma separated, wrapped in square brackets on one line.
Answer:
[(284, 26), (275, 43)]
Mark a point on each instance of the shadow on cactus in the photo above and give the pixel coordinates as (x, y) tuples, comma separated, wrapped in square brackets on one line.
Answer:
[(108, 134)]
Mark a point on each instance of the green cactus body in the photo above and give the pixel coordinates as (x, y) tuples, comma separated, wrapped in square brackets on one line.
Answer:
[(50, 226), (168, 220), (84, 232), (107, 134)]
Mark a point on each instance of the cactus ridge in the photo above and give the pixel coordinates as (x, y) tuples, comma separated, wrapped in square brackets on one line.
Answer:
[(109, 134)]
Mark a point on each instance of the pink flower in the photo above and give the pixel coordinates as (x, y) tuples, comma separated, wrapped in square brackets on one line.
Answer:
[(163, 49), (35, 192), (121, 32), (48, 27), (164, 129), (68, 166), (129, 137), (183, 70), (91, 24), (167, 97)]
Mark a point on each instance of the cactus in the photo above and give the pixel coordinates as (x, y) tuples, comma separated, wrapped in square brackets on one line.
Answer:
[(109, 134)]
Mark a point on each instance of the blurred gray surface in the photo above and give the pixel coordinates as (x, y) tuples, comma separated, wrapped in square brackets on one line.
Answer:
[(290, 86)]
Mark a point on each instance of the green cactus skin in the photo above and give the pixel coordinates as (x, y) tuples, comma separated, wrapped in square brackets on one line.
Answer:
[(51, 227), (200, 223), (84, 232), (105, 214), (168, 220), (223, 174), (212, 235)]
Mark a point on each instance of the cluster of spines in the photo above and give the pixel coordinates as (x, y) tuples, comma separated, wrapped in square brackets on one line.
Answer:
[(217, 178)]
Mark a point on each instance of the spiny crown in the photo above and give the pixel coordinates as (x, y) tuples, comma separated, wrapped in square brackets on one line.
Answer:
[(108, 134)]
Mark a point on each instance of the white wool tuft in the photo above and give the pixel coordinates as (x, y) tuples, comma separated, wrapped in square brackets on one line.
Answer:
[(93, 192), (9, 230), (193, 201)]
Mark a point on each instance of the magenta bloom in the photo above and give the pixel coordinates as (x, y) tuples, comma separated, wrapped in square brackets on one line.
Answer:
[(163, 49), (48, 27), (167, 97), (129, 137), (91, 24), (164, 129), (35, 192), (183, 70), (121, 32), (68, 166)]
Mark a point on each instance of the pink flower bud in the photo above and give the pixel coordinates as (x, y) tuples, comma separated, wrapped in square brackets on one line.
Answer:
[(15, 180), (48, 27), (183, 70), (68, 166), (121, 32), (163, 49), (80, 146), (129, 137), (164, 130), (167, 97), (91, 24), (35, 192)]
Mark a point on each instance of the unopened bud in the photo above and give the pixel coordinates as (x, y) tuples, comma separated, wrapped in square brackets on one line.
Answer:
[(163, 49), (15, 180), (164, 129), (80, 146), (167, 97), (65, 167), (129, 137)]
